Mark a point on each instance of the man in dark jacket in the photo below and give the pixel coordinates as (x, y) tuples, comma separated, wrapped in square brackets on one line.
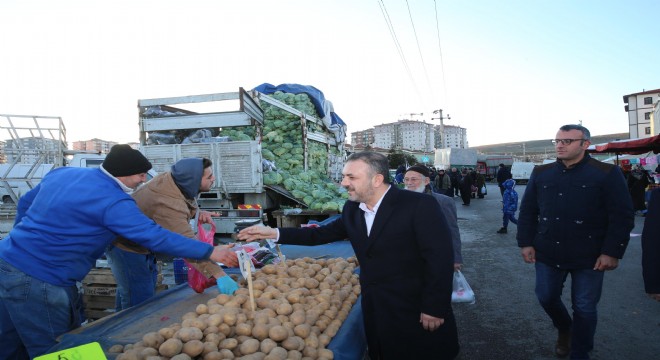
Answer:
[(503, 174), (651, 247), (575, 218), (406, 308)]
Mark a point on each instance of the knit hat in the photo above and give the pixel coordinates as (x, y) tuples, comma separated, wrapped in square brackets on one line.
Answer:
[(419, 169), (123, 160)]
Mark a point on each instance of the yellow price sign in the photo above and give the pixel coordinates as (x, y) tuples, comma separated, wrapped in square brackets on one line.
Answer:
[(91, 351)]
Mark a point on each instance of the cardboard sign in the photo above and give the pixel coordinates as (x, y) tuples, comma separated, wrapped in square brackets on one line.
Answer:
[(91, 351), (242, 256)]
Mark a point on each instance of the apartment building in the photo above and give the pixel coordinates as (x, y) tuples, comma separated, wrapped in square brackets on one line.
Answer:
[(455, 137), (94, 145), (640, 107)]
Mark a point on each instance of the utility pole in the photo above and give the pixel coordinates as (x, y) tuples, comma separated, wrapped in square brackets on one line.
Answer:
[(442, 125)]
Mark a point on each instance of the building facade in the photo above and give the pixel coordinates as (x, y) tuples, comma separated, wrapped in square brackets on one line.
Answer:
[(640, 107), (455, 137), (405, 135), (363, 138), (94, 145)]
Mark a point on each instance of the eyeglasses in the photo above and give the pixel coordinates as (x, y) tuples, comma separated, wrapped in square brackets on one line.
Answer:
[(411, 179), (567, 141)]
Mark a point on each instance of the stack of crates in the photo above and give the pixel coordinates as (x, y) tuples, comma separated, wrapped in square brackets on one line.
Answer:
[(99, 292)]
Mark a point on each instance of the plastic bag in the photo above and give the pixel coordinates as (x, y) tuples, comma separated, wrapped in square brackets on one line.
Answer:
[(462, 292), (196, 280), (483, 190)]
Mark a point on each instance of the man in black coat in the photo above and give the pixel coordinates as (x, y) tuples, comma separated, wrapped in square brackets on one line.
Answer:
[(651, 247), (406, 269)]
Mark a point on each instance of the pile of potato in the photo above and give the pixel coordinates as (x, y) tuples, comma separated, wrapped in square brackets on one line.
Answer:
[(300, 305)]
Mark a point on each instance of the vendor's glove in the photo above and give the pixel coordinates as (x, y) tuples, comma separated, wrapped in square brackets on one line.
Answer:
[(227, 285)]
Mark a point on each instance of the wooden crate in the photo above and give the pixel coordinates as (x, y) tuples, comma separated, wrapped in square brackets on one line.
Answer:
[(99, 292)]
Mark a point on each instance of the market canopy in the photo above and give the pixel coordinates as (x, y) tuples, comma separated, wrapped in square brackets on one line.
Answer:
[(628, 146)]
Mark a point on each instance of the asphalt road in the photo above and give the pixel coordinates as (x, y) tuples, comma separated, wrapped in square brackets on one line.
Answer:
[(506, 322)]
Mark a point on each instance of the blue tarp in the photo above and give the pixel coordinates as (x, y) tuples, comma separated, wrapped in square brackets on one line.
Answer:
[(167, 307), (316, 96)]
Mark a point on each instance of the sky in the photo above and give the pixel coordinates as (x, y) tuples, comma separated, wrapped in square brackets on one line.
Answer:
[(506, 71)]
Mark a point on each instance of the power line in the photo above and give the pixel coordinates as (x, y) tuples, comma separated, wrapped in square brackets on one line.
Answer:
[(442, 66), (398, 45), (426, 75)]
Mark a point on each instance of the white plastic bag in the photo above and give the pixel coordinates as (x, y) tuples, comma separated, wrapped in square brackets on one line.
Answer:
[(462, 291)]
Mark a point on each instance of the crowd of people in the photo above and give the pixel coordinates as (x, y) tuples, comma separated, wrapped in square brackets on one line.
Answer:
[(575, 219)]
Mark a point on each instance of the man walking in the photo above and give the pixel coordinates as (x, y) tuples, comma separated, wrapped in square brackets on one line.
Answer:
[(575, 219), (406, 308)]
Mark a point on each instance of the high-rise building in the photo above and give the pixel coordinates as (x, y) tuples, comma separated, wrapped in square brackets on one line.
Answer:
[(404, 135), (31, 150), (94, 145), (455, 137), (639, 107), (362, 138)]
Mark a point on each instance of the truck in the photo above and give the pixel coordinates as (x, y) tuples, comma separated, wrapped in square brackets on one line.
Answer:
[(448, 158), (33, 146), (488, 165), (521, 171), (267, 154)]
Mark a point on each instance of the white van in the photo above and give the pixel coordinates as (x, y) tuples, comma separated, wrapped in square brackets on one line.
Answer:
[(521, 171)]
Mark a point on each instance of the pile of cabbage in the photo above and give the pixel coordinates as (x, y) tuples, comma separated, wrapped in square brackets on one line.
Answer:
[(282, 144)]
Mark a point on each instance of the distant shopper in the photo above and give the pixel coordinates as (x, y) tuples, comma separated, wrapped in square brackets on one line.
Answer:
[(503, 174), (575, 219), (62, 226), (443, 183), (651, 247), (455, 178), (509, 205), (466, 183)]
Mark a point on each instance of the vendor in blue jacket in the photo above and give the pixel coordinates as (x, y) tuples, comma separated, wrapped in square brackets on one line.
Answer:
[(575, 219), (62, 226)]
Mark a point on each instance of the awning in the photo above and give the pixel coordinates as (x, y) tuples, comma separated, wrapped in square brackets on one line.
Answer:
[(628, 146)]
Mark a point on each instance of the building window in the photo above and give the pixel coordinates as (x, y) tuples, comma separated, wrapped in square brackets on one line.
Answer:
[(647, 130), (647, 116), (648, 100)]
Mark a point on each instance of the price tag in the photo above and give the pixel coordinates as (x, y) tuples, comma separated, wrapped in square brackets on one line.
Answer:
[(242, 256), (91, 351)]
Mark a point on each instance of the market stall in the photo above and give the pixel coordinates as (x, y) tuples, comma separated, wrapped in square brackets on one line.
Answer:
[(128, 326)]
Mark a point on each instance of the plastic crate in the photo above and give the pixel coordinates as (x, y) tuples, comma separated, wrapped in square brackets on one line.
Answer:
[(180, 271)]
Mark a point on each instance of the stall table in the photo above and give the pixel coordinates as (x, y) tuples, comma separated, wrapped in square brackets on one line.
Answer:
[(167, 307)]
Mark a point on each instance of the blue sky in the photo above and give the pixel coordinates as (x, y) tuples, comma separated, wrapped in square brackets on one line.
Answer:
[(510, 70)]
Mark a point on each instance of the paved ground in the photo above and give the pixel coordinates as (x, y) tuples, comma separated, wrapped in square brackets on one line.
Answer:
[(506, 321)]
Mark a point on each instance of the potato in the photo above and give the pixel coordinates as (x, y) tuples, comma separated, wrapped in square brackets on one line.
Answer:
[(146, 352), (193, 348), (293, 343), (170, 347), (278, 333), (227, 354), (260, 331), (132, 354), (222, 299), (209, 347), (153, 339), (189, 333), (214, 355), (181, 357), (277, 353), (167, 333), (325, 353), (267, 345), (116, 348), (302, 330), (189, 315), (228, 344), (298, 317), (249, 346), (202, 309)]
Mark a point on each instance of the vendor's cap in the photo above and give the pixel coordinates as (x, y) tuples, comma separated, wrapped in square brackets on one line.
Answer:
[(123, 160), (419, 169)]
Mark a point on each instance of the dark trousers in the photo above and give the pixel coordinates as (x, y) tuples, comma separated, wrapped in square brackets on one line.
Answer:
[(505, 219)]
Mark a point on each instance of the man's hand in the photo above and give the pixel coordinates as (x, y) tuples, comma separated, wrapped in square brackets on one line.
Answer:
[(257, 232), (605, 262), (225, 255), (430, 323), (528, 254), (205, 217), (655, 297)]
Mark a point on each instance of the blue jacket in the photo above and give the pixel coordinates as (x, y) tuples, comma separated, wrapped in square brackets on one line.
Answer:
[(510, 197), (64, 224), (573, 215)]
